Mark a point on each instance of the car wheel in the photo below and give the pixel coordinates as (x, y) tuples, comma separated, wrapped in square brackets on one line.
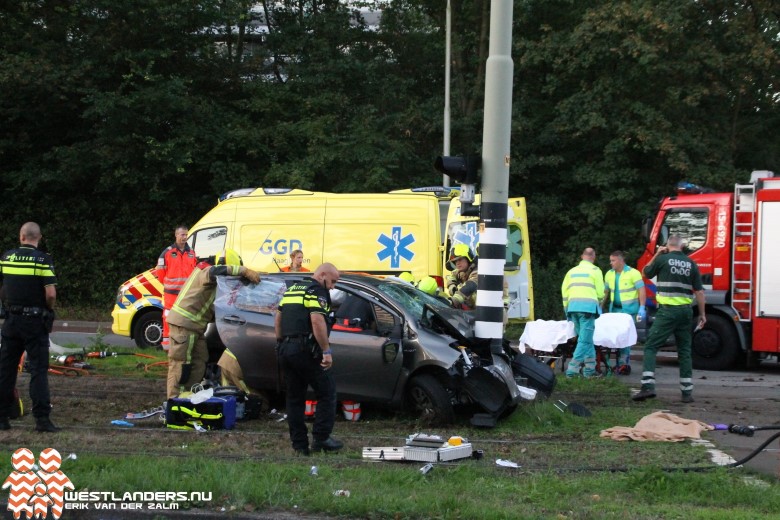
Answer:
[(428, 398), (715, 346), (509, 410), (148, 330)]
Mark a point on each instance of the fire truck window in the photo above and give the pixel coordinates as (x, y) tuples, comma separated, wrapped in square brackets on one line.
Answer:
[(690, 225)]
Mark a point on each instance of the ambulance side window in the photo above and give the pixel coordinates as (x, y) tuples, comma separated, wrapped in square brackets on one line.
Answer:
[(690, 224), (209, 241)]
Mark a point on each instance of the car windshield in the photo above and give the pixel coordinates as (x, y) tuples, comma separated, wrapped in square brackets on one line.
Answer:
[(410, 298)]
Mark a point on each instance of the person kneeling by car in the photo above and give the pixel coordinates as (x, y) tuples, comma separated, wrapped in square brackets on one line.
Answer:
[(304, 353), (189, 316)]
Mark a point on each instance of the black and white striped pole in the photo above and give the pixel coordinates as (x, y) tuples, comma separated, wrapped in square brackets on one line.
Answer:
[(496, 133), (494, 161)]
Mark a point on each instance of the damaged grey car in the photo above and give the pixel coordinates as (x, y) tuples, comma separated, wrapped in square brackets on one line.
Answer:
[(392, 344)]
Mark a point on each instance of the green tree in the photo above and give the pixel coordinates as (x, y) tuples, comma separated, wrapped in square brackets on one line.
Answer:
[(617, 101)]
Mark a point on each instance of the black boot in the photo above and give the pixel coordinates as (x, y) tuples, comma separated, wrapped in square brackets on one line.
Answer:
[(329, 444), (44, 424), (4, 424)]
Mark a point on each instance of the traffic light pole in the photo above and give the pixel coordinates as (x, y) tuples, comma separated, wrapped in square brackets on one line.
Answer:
[(445, 179), (495, 176)]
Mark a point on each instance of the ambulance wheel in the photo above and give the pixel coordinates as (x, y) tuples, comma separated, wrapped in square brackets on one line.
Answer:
[(148, 330), (428, 398), (715, 346)]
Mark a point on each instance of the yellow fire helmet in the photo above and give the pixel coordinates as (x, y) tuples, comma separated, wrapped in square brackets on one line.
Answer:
[(461, 251), (228, 257), (406, 277), (428, 285)]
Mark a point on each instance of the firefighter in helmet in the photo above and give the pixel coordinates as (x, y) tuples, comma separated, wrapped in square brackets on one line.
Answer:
[(462, 280), (191, 313)]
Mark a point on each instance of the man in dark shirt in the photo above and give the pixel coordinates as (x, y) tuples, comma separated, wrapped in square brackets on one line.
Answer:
[(304, 354), (29, 292)]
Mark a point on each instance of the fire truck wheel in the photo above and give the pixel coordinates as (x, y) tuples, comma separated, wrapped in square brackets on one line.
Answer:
[(715, 347)]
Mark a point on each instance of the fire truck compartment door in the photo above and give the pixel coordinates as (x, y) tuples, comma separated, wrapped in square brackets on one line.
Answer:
[(768, 280)]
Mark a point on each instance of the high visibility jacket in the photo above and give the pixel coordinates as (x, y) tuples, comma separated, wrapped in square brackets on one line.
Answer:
[(299, 301), (194, 308), (626, 292), (24, 274), (677, 278), (583, 288), (173, 268)]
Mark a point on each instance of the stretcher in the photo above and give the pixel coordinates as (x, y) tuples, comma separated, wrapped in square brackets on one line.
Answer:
[(553, 341)]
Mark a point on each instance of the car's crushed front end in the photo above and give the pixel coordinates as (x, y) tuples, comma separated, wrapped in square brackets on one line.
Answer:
[(479, 376)]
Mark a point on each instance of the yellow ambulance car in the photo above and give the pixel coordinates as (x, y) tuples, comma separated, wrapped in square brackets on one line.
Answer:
[(376, 233)]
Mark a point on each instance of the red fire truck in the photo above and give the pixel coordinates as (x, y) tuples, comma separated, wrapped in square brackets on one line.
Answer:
[(735, 240)]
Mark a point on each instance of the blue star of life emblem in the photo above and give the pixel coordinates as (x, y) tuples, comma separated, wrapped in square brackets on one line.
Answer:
[(395, 247), (467, 234)]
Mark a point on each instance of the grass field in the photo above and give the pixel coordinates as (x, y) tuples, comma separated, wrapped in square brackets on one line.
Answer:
[(566, 470)]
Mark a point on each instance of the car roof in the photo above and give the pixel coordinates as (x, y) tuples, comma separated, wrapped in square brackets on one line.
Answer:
[(355, 278)]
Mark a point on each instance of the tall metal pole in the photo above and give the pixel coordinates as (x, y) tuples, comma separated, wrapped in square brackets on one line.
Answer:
[(495, 176), (445, 180)]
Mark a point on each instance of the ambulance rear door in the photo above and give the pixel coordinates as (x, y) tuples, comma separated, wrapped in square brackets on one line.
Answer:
[(517, 268)]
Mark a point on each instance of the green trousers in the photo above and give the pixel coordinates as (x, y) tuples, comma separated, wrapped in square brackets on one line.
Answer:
[(677, 320)]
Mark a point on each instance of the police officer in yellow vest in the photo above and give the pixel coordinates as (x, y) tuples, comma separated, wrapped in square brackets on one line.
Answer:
[(624, 291), (303, 347), (189, 316), (678, 282), (582, 291), (29, 291)]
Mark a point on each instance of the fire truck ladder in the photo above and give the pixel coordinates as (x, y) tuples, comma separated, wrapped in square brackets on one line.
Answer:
[(742, 250)]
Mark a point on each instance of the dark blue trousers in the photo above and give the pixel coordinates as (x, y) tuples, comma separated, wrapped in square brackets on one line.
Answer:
[(302, 370), (20, 334)]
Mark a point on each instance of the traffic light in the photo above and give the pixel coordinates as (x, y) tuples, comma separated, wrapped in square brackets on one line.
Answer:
[(464, 170)]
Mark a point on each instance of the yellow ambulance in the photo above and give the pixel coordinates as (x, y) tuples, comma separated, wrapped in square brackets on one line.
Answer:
[(376, 233)]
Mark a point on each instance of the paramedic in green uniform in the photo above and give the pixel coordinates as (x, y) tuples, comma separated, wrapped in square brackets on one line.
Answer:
[(624, 291), (678, 282)]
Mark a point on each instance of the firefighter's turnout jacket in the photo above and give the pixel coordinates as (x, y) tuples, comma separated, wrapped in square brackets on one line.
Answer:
[(465, 283), (194, 308)]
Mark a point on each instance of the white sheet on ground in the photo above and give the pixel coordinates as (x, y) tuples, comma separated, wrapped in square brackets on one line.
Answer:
[(615, 330)]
